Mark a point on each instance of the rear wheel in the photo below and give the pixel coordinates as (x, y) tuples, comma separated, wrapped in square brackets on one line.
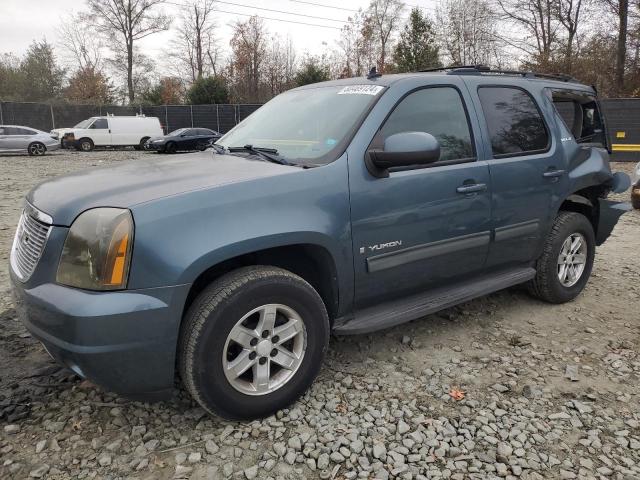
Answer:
[(36, 149), (85, 144), (140, 146), (563, 269), (253, 342)]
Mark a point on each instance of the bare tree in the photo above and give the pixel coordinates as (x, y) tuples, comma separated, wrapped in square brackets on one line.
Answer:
[(568, 13), (537, 19), (386, 16), (126, 22), (194, 46), (467, 32), (81, 46), (249, 49), (280, 65), (620, 8)]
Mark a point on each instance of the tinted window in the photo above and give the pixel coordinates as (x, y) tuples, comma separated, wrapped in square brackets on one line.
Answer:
[(581, 116), (100, 124), (206, 132), (17, 131), (514, 122), (438, 111)]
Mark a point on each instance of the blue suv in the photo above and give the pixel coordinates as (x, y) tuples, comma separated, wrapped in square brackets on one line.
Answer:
[(346, 206)]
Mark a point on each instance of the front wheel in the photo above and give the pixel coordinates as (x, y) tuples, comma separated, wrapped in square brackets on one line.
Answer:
[(563, 269), (85, 144), (253, 342), (170, 147)]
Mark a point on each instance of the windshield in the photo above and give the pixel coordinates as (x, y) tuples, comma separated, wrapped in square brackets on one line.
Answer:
[(310, 125), (84, 123), (177, 132)]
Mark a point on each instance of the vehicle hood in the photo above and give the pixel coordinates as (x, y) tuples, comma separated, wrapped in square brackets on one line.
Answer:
[(135, 182), (61, 131), (154, 139)]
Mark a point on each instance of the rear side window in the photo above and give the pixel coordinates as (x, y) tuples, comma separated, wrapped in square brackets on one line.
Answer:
[(581, 115), (438, 111), (100, 124), (515, 124)]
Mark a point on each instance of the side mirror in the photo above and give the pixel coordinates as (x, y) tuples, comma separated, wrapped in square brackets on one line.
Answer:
[(406, 149)]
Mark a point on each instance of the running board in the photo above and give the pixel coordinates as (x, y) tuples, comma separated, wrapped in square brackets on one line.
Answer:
[(404, 310)]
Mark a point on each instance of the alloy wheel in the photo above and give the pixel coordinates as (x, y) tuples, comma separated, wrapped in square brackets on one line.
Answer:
[(572, 259), (264, 349)]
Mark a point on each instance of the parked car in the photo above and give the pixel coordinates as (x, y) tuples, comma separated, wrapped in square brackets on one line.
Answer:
[(635, 188), (110, 131), (183, 139), (18, 139), (347, 206)]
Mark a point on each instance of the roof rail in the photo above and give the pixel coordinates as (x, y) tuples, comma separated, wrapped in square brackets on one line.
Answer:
[(483, 69)]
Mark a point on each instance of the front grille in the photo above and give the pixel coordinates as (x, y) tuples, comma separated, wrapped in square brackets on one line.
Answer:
[(28, 244)]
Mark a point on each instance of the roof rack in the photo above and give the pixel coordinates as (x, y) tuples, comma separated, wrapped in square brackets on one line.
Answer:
[(484, 69)]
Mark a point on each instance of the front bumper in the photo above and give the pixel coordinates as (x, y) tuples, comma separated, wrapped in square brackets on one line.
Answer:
[(123, 341), (159, 147)]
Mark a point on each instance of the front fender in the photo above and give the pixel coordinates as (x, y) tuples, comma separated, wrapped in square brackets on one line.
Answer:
[(179, 237)]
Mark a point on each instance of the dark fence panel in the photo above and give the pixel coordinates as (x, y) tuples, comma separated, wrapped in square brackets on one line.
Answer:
[(623, 123), (35, 115), (47, 117), (70, 115)]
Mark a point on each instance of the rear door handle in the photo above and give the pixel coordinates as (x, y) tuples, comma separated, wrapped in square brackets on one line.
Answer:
[(553, 173), (472, 188)]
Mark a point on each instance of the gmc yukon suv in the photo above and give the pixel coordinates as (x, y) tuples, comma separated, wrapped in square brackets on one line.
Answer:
[(346, 206)]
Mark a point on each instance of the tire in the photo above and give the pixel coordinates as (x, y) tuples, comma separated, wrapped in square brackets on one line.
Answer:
[(36, 149), (205, 346), (85, 145), (547, 284), (635, 196), (170, 147), (140, 145)]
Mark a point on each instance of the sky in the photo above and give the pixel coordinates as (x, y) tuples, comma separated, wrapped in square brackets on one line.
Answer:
[(22, 21)]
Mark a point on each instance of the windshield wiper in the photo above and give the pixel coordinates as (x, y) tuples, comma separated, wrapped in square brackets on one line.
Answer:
[(270, 154), (217, 148)]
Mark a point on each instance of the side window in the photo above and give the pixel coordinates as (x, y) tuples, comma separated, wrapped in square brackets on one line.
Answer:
[(438, 111), (581, 115), (515, 124), (100, 124)]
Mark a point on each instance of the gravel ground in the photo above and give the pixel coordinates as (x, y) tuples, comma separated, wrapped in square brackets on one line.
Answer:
[(542, 391)]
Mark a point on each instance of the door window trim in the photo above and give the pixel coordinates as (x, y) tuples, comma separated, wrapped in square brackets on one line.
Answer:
[(438, 163), (544, 123)]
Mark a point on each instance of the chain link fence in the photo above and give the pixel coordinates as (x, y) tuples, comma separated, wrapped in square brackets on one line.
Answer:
[(222, 117)]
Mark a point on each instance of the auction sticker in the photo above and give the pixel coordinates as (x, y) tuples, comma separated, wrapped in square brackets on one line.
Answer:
[(361, 90)]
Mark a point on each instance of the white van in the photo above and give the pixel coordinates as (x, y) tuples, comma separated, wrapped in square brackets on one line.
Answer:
[(110, 131)]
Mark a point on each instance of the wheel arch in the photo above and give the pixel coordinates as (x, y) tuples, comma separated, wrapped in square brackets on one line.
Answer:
[(311, 261), (586, 202)]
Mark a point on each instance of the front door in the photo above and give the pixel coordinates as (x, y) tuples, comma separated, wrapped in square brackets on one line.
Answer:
[(528, 172), (421, 228), (100, 132)]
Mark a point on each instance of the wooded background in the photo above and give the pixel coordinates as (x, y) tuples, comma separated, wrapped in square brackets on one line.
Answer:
[(96, 58)]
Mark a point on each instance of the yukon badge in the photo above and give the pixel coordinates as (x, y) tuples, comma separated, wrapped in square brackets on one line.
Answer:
[(381, 246)]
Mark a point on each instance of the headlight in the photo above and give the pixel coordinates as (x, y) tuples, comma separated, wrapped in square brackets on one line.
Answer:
[(97, 252)]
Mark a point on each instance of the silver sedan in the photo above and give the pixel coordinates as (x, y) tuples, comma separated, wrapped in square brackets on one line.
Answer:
[(17, 139)]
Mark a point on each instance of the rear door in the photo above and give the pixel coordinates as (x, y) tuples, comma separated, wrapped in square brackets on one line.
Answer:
[(527, 166), (100, 132), (17, 138)]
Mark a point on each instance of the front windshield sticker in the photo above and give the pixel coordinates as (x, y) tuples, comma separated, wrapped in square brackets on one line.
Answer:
[(361, 90)]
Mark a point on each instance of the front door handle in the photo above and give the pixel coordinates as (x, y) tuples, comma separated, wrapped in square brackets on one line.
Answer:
[(553, 173), (472, 188)]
